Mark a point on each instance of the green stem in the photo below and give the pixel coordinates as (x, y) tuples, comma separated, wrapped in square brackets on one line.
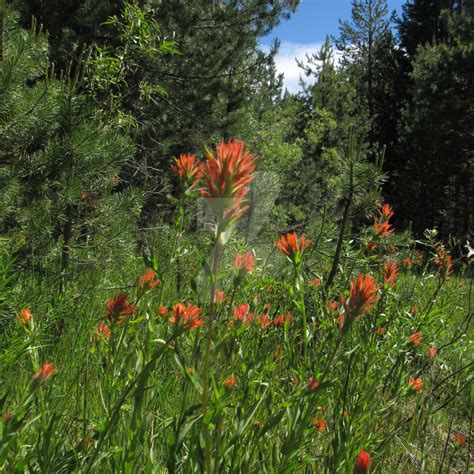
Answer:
[(178, 228), (206, 368)]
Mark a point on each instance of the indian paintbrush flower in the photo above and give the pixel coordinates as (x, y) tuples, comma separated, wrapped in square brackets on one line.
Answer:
[(188, 170), (188, 316), (117, 308), (44, 372), (227, 172), (244, 264), (362, 462), (25, 317), (292, 246), (390, 273), (148, 280)]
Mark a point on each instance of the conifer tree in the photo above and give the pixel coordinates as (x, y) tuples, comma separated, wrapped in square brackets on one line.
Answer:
[(358, 41), (60, 161)]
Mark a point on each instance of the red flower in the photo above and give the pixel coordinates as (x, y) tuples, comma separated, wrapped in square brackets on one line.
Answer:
[(313, 384), (148, 281), (460, 439), (382, 229), (242, 315), (319, 424), (362, 295), (362, 463), (244, 263), (414, 310), (432, 352), (445, 263), (371, 246), (117, 308), (25, 317), (220, 296), (380, 330), (163, 310), (407, 262), (332, 305), (102, 329), (387, 212), (316, 282), (390, 273), (415, 338), (381, 226), (264, 321), (230, 382), (291, 246), (227, 173), (415, 384), (186, 315), (280, 320), (188, 170), (44, 372)]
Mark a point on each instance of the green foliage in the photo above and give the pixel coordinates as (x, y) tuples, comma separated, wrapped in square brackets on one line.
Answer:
[(61, 158)]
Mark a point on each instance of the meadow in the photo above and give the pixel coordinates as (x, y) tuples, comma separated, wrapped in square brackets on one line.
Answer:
[(213, 354)]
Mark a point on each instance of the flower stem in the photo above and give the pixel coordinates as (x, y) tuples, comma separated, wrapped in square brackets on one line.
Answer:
[(206, 368)]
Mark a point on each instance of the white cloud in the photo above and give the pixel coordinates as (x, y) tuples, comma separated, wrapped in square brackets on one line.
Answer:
[(285, 62)]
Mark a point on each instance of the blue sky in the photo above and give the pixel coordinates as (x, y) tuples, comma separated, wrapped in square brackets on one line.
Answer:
[(307, 30)]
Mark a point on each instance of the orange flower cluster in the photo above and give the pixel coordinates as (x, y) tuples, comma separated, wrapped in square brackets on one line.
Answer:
[(220, 296), (25, 317), (415, 338), (230, 382), (313, 384), (390, 273), (415, 384), (44, 372), (371, 246), (264, 321), (188, 316), (381, 226), (117, 308), (362, 295), (291, 246), (460, 439), (282, 319), (148, 280), (319, 424), (242, 315), (445, 263), (362, 462), (432, 352), (226, 173), (188, 169), (102, 330), (245, 263)]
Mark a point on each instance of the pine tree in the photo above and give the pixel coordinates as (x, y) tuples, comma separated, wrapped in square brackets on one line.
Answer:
[(358, 41), (438, 141), (60, 162)]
